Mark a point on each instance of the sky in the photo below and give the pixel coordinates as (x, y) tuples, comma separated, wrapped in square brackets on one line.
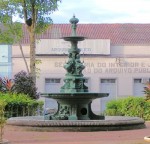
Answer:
[(103, 11)]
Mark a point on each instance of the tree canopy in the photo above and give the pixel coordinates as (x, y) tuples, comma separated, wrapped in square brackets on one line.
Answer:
[(35, 13), (36, 16)]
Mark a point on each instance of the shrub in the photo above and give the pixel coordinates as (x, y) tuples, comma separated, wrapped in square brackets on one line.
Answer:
[(133, 106), (23, 83), (20, 105), (114, 107), (146, 115), (2, 118), (130, 106)]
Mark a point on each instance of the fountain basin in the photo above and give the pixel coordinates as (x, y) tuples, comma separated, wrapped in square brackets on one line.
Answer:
[(74, 38), (74, 106), (110, 123), (85, 95)]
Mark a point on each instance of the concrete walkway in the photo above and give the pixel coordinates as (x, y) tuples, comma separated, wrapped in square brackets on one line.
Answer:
[(18, 135)]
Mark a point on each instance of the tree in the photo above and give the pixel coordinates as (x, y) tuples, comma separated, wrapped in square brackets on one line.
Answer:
[(11, 33), (36, 15)]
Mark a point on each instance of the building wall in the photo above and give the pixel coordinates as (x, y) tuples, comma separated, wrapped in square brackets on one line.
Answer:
[(59, 46), (123, 64), (18, 63), (5, 61), (97, 68), (130, 50), (100, 68)]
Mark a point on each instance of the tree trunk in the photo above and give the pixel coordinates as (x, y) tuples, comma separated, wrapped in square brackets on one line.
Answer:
[(32, 55), (27, 68)]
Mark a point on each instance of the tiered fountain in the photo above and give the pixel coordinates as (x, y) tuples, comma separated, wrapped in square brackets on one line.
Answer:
[(74, 101)]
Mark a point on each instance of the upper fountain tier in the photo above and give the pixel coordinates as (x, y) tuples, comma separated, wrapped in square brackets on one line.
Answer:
[(74, 36), (74, 80)]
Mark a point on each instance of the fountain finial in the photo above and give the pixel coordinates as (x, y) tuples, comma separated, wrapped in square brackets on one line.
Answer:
[(74, 22)]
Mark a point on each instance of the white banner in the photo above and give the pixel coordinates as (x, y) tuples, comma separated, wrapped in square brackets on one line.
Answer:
[(59, 46)]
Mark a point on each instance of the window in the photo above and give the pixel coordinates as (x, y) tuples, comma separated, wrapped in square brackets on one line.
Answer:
[(4, 53), (138, 86), (52, 80), (52, 85), (107, 86), (5, 61), (108, 80), (137, 80)]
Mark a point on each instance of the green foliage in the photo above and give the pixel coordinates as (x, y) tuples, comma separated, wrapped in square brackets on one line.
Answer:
[(130, 106), (23, 83), (146, 115), (37, 10), (38, 70), (114, 107), (20, 105), (2, 118), (133, 106), (11, 33), (36, 15)]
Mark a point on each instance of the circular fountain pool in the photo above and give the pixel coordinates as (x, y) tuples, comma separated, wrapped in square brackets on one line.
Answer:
[(110, 123)]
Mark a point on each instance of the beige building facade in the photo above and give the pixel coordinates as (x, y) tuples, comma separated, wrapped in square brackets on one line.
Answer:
[(118, 68), (123, 72)]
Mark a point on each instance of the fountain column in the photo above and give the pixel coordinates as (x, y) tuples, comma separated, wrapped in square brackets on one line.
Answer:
[(74, 80)]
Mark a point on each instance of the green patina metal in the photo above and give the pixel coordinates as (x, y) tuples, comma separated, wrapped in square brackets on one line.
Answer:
[(74, 22), (74, 80), (74, 100)]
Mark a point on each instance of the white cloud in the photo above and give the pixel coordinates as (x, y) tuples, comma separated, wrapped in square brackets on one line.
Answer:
[(104, 11)]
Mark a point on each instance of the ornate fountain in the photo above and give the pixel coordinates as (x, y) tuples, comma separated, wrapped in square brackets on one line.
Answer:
[(74, 100)]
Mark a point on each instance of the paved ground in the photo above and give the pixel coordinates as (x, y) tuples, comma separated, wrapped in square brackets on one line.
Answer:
[(18, 135)]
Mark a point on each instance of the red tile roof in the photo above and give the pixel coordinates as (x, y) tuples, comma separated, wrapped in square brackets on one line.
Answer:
[(119, 34)]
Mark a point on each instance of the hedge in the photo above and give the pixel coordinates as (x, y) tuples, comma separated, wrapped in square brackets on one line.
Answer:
[(20, 105), (130, 106)]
